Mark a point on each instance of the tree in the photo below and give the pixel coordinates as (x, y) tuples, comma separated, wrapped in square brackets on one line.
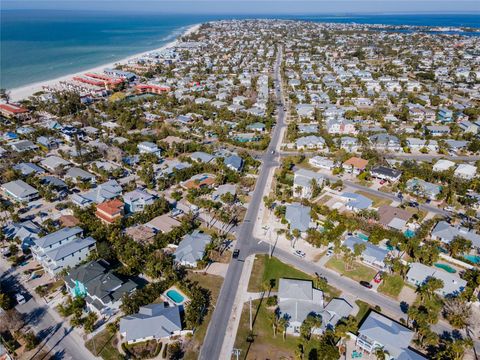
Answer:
[(283, 324), (428, 288), (5, 301), (5, 95), (175, 351), (327, 349), (89, 322), (459, 245), (31, 341), (457, 312), (311, 322), (381, 353)]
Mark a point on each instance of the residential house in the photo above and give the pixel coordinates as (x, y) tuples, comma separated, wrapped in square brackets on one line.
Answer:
[(198, 181), (385, 142), (445, 115), (233, 162), (28, 168), (192, 248), (305, 110), (341, 126), (163, 223), (25, 231), (423, 188), (20, 191), (257, 126), (386, 173), (224, 189), (137, 200), (142, 234), (373, 255), (310, 142), (349, 144), (152, 322), (468, 127), (303, 182), (465, 171), (380, 332), (321, 162), (356, 202), (62, 249), (452, 284), (110, 211), (79, 175), (296, 300), (393, 217), (355, 165), (307, 128), (11, 111), (437, 130), (54, 163), (416, 144), (202, 157), (146, 147), (99, 286), (103, 192), (23, 145), (446, 232), (298, 216), (443, 165)]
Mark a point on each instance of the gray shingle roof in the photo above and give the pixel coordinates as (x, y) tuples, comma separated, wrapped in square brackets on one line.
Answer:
[(19, 189), (58, 236), (152, 320), (192, 247), (298, 216)]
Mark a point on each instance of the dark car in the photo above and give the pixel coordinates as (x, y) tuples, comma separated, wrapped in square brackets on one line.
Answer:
[(366, 284), (236, 252)]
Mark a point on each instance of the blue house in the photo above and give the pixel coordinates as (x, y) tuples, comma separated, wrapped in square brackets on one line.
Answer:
[(445, 115), (136, 200)]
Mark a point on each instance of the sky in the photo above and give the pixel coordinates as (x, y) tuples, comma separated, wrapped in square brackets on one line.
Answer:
[(255, 7)]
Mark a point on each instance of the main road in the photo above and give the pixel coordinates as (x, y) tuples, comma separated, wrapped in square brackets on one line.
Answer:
[(245, 242)]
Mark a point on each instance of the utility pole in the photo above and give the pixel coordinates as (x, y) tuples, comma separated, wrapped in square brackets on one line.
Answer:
[(251, 325)]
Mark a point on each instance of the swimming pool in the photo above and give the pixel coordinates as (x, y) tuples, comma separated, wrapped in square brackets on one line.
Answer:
[(445, 267), (473, 258), (409, 233), (175, 296), (362, 236)]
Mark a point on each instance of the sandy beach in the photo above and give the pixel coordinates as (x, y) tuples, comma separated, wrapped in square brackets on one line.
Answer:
[(24, 92)]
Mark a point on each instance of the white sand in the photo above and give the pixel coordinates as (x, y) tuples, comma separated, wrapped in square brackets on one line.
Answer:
[(24, 92)]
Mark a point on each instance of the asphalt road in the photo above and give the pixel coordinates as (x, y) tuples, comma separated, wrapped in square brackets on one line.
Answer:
[(245, 242), (384, 195), (58, 338)]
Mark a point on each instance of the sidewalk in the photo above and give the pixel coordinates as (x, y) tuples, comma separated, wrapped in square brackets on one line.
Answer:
[(241, 296)]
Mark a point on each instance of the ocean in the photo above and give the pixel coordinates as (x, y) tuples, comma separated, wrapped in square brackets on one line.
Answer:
[(38, 45)]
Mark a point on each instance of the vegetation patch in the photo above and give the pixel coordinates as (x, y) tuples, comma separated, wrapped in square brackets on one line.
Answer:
[(358, 271), (391, 285), (104, 344)]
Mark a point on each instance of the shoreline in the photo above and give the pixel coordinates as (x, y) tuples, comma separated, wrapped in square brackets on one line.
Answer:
[(25, 91)]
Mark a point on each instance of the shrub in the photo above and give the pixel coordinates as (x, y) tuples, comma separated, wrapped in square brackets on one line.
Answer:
[(164, 352)]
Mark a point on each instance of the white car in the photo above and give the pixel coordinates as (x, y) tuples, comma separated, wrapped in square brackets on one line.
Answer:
[(20, 299), (329, 253), (299, 253)]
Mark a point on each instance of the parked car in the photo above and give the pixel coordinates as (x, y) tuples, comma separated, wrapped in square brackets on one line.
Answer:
[(382, 182), (176, 212), (299, 253), (449, 208), (20, 299), (378, 277), (366, 284), (236, 252), (329, 253)]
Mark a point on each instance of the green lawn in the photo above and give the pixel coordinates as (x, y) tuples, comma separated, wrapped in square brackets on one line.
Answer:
[(104, 345), (264, 345), (212, 283), (391, 285), (358, 272), (377, 200), (267, 269), (363, 308)]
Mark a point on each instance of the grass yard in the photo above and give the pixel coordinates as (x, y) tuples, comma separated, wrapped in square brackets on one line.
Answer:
[(359, 272), (212, 283), (363, 308), (377, 200), (391, 285), (264, 344), (266, 269), (104, 344)]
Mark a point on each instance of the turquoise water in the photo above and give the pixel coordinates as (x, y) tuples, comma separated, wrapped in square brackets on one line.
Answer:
[(362, 236), (445, 267), (40, 45), (409, 233), (175, 296), (473, 258)]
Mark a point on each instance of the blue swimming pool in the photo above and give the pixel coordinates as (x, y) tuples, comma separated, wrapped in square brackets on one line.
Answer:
[(362, 236), (473, 258), (175, 296), (409, 233)]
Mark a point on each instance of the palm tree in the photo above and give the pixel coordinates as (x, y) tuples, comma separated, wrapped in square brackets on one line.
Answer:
[(381, 353), (283, 324)]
